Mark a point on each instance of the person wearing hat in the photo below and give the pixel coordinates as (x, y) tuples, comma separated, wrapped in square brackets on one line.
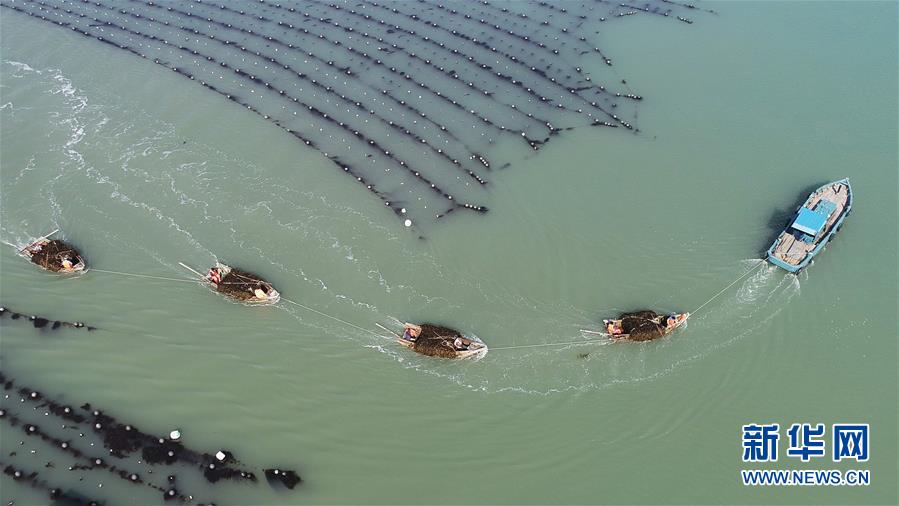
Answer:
[(214, 275), (411, 332), (674, 320), (614, 328), (461, 343)]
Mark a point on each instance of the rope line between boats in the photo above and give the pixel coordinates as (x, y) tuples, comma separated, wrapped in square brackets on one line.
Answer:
[(316, 311), (595, 341), (282, 298), (748, 271), (369, 331), (144, 275)]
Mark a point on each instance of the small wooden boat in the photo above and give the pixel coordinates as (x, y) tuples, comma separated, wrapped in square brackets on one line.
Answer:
[(54, 255), (436, 341), (241, 285), (643, 325), (815, 223)]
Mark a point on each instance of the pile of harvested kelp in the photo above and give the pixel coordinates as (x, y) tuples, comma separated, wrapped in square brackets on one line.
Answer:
[(436, 341), (241, 285), (51, 255), (642, 325)]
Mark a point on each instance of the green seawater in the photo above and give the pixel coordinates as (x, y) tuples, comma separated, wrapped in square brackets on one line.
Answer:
[(744, 113)]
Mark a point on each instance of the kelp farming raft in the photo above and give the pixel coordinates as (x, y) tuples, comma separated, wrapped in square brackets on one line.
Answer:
[(54, 255), (437, 341), (96, 447), (239, 285), (407, 98), (643, 325)]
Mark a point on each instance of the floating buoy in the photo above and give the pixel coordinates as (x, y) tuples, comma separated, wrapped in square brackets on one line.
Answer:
[(175, 435), (408, 223)]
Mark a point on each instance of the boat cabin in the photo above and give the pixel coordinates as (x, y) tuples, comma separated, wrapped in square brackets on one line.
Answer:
[(810, 222)]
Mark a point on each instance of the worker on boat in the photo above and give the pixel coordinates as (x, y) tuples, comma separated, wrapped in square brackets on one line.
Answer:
[(260, 292), (461, 343), (214, 275), (614, 328), (67, 264), (411, 332), (674, 320)]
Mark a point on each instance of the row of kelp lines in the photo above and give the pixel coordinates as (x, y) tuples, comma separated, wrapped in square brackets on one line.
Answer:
[(406, 97), (69, 451)]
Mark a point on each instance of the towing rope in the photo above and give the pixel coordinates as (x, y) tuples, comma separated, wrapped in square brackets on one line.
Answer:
[(144, 276), (749, 270), (331, 317), (544, 344), (369, 331), (594, 341)]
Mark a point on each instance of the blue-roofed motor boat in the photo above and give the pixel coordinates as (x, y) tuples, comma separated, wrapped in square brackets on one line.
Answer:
[(815, 222)]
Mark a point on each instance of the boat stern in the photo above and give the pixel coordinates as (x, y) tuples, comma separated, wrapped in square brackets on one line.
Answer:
[(792, 269), (476, 350), (679, 320)]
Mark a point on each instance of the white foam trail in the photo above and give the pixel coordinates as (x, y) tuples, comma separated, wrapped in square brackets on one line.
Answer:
[(20, 67)]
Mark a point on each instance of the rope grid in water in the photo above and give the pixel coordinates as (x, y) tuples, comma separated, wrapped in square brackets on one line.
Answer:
[(407, 98)]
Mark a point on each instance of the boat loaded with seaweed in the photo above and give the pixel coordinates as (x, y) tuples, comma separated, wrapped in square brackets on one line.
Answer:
[(239, 285), (814, 224), (54, 255), (437, 341), (643, 325)]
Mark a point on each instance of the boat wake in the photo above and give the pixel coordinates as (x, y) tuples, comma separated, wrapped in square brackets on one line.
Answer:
[(583, 364), (754, 303)]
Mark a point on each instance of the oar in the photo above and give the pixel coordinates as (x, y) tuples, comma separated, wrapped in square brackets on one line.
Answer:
[(585, 331), (51, 233), (39, 239), (388, 330), (191, 269)]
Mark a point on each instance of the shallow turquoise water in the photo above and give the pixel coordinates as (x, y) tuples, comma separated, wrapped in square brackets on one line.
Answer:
[(744, 112)]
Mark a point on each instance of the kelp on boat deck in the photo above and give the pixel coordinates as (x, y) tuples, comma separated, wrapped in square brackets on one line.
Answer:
[(240, 284), (642, 325), (436, 341), (50, 255)]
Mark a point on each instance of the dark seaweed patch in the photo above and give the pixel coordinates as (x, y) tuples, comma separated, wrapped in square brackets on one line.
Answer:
[(56, 494), (120, 440), (40, 322), (278, 477)]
